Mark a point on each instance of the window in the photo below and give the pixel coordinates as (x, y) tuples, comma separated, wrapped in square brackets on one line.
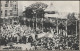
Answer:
[(15, 7), (5, 12), (10, 12), (6, 5), (1, 12)]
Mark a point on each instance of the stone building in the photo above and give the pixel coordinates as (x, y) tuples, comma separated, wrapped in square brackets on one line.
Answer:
[(9, 11), (9, 8)]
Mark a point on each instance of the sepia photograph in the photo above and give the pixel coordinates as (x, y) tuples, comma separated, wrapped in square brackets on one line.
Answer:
[(39, 25)]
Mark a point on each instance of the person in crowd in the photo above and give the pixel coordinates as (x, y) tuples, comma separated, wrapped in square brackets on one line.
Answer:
[(47, 43), (75, 46), (30, 39), (24, 39)]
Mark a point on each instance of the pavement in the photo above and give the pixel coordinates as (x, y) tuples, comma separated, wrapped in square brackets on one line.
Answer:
[(23, 46)]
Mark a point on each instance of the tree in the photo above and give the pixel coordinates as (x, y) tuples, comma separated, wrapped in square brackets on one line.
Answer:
[(71, 23), (40, 13), (38, 5), (35, 8), (28, 12), (71, 18)]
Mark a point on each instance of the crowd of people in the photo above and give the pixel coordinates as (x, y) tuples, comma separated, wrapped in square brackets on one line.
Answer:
[(13, 33), (24, 34)]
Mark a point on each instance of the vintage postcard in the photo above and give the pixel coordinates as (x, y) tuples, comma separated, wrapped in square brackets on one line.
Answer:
[(39, 25)]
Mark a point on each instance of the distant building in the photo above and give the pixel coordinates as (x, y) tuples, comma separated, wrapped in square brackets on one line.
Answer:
[(9, 11), (9, 8)]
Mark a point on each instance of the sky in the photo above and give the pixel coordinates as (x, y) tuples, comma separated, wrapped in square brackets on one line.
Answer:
[(60, 6)]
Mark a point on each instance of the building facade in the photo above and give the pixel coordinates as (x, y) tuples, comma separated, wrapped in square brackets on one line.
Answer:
[(9, 11), (9, 8)]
